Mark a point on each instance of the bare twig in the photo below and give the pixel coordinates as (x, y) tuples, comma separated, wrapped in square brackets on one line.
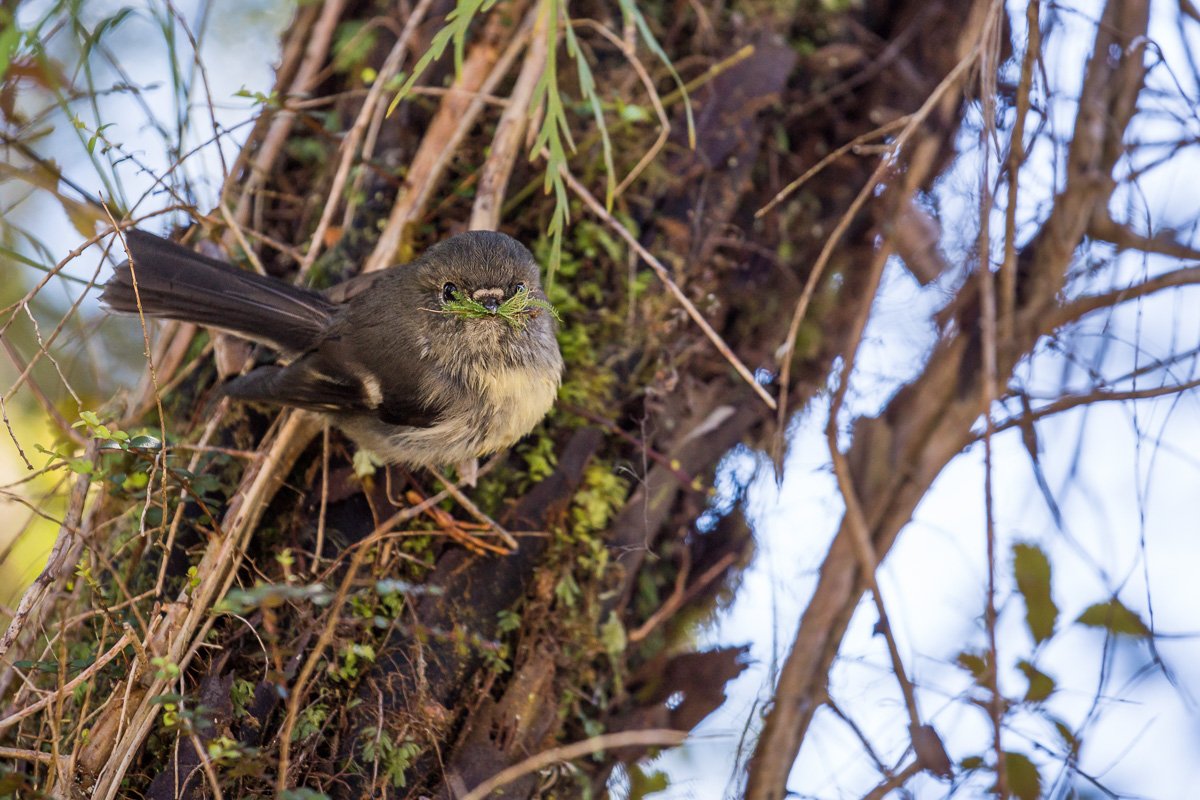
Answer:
[(63, 555), (510, 131), (915, 120), (482, 70), (100, 663), (665, 276), (375, 103), (569, 752)]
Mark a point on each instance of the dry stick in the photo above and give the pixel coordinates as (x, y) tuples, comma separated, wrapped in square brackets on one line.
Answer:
[(206, 764), (664, 132), (172, 353), (679, 598), (62, 556), (1069, 402), (44, 350), (989, 58), (209, 431), (174, 634), (11, 433), (43, 400), (815, 643), (893, 782), (452, 489), (510, 131), (296, 693), (316, 52), (860, 528), (653, 737), (37, 334), (239, 236), (914, 122), (669, 99), (21, 754), (665, 277), (199, 62), (349, 147), (319, 546), (815, 169), (162, 419), (1016, 157), (99, 664), (482, 71)]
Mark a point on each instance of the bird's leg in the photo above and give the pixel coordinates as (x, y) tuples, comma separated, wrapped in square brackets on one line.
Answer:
[(457, 530), (475, 511)]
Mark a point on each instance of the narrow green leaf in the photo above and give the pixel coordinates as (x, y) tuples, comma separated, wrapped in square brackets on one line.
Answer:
[(10, 39), (630, 11)]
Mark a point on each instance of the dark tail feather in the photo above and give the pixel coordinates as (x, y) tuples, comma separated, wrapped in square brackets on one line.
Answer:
[(176, 283)]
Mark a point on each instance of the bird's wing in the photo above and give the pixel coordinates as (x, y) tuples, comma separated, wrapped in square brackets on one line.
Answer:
[(326, 379)]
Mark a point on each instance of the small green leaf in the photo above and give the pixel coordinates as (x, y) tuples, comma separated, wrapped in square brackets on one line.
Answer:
[(1031, 568), (1024, 780), (1115, 617), (642, 783), (974, 663), (508, 620), (145, 442), (303, 793), (612, 634), (80, 466), (971, 763), (1041, 685)]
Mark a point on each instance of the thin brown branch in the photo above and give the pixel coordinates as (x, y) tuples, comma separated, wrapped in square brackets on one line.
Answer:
[(173, 634), (868, 561), (1016, 157), (893, 782), (1070, 402), (85, 675), (816, 169), (482, 70), (1073, 310), (570, 752), (63, 556), (510, 130), (374, 103), (896, 456), (682, 596), (914, 122), (314, 43), (1106, 229)]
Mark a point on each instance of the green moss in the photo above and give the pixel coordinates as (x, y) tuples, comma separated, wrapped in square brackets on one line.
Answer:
[(517, 310)]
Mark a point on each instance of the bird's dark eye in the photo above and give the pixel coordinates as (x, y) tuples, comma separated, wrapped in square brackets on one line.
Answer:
[(520, 287), (449, 290)]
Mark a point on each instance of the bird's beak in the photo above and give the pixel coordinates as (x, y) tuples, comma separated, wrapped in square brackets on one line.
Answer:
[(489, 298)]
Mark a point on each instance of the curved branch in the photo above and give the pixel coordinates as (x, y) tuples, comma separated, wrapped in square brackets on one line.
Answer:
[(1077, 308)]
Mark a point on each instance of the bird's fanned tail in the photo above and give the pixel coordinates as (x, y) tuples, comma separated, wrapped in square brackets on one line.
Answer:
[(174, 282)]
